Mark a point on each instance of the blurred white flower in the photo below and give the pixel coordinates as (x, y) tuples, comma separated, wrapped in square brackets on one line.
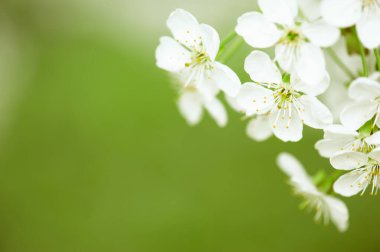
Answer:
[(297, 42), (365, 14), (289, 105), (338, 138), (192, 103), (365, 92), (364, 170), (341, 73), (192, 54), (327, 207)]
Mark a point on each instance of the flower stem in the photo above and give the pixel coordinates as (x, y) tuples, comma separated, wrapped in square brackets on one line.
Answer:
[(229, 52), (227, 39), (362, 52), (377, 55), (230, 37), (328, 184), (340, 63)]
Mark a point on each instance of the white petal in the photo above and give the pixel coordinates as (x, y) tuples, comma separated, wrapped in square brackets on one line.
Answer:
[(375, 76), (321, 34), (337, 131), (316, 114), (352, 61), (375, 154), (298, 177), (190, 107), (226, 79), (286, 126), (185, 28), (279, 11), (310, 8), (349, 184), (313, 89), (369, 30), (364, 89), (261, 68), (357, 114), (341, 13), (217, 111), (259, 128), (232, 101), (208, 88), (257, 31), (311, 66), (348, 160), (304, 186), (373, 139), (254, 98), (171, 56), (210, 40), (291, 166), (286, 56), (328, 147), (338, 212)]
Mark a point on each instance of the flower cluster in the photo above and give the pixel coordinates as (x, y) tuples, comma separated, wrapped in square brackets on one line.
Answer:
[(321, 52)]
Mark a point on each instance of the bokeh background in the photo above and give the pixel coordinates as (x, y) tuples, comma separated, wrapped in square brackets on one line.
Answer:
[(95, 157)]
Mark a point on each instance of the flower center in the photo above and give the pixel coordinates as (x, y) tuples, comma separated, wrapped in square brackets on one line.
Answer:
[(286, 100), (370, 5), (369, 174), (359, 145), (198, 68), (283, 94), (198, 58), (292, 36)]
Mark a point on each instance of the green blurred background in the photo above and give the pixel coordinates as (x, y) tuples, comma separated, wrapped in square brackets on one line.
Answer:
[(94, 155)]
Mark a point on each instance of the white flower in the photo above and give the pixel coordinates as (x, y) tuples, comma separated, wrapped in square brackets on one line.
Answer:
[(366, 95), (192, 103), (365, 14), (327, 207), (338, 138), (364, 171), (289, 105), (336, 96), (192, 54), (258, 127), (297, 42)]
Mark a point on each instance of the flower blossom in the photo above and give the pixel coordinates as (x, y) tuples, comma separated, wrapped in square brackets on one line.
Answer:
[(192, 53), (365, 92), (297, 42), (192, 103), (327, 207), (288, 105), (364, 170), (338, 138), (336, 96), (365, 14)]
